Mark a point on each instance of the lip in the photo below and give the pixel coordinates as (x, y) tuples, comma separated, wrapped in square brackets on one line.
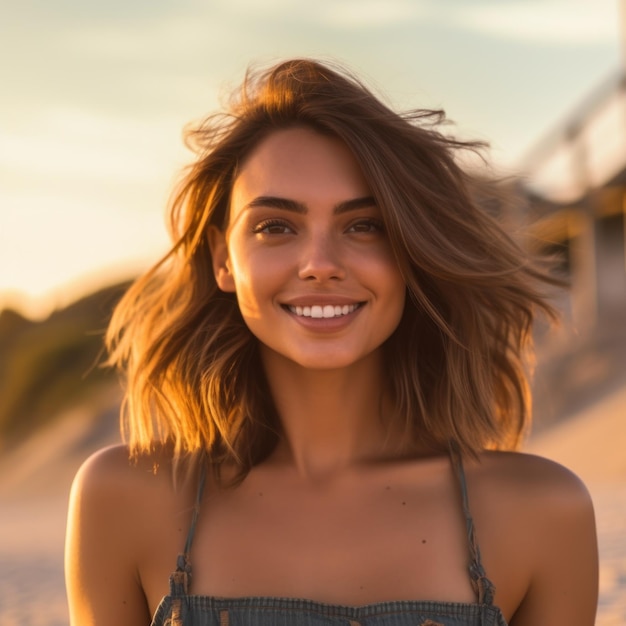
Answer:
[(321, 300)]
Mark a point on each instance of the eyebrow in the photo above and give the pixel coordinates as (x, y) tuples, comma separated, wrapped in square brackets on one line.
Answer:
[(294, 206)]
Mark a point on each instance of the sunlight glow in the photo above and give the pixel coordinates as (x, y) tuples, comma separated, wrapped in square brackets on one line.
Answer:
[(95, 98)]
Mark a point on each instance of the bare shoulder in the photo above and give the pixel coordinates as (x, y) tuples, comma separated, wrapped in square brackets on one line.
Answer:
[(117, 494), (524, 468), (531, 495), (536, 515), (114, 503), (529, 481), (112, 468)]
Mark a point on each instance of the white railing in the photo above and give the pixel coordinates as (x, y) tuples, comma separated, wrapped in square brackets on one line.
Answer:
[(589, 150)]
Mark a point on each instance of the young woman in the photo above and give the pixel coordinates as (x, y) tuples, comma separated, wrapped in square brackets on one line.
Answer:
[(325, 383)]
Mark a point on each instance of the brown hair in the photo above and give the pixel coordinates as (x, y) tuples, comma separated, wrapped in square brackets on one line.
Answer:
[(456, 367)]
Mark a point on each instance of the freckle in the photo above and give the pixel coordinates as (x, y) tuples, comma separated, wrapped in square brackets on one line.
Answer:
[(361, 587), (404, 504), (260, 493), (423, 540), (387, 488)]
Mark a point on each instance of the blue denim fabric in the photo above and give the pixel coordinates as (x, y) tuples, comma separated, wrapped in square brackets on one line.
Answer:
[(180, 608), (208, 611)]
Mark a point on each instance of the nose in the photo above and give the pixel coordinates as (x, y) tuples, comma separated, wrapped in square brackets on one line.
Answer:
[(321, 259)]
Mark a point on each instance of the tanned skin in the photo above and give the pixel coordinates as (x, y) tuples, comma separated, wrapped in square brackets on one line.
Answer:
[(345, 510)]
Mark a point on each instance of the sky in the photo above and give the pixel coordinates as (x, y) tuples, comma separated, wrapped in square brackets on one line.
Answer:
[(95, 96)]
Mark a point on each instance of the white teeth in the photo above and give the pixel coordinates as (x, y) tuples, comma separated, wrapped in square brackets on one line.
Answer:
[(326, 311)]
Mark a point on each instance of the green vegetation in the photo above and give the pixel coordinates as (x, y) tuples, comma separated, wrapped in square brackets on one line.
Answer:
[(49, 366)]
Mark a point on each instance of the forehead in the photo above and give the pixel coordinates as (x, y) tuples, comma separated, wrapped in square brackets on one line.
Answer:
[(299, 163)]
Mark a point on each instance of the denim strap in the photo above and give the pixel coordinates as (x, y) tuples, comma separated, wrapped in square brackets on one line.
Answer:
[(483, 587), (180, 579)]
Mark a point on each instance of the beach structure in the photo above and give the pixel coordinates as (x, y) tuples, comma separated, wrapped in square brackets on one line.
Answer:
[(576, 200)]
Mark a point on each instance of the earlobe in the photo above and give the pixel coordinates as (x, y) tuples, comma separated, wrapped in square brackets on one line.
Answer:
[(221, 262)]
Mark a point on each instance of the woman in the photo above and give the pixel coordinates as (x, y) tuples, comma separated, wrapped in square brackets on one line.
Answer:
[(325, 383)]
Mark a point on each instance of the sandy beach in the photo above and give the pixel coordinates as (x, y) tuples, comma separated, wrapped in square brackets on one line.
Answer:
[(593, 445), (35, 480)]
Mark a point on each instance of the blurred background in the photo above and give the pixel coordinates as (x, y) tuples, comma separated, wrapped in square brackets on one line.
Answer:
[(94, 99)]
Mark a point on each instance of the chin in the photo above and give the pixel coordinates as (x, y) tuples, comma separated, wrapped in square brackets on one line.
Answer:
[(327, 361)]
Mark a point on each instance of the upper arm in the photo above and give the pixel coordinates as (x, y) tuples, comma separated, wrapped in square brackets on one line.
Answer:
[(103, 586), (563, 587)]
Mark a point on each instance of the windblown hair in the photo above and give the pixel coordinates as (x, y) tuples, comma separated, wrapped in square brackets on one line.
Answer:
[(455, 366)]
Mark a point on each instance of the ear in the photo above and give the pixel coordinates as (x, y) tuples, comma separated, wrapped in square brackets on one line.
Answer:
[(221, 262)]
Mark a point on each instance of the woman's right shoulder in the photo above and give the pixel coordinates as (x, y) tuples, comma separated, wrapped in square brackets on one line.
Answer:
[(120, 508), (112, 476)]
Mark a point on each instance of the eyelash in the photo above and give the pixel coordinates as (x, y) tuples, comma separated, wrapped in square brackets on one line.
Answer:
[(263, 226), (374, 225)]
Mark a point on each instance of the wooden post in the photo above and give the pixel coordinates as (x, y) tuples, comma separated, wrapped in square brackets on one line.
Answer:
[(624, 222), (583, 249), (622, 21)]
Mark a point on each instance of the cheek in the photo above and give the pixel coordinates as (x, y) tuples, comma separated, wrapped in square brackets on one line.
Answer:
[(256, 278), (384, 267), (399, 298), (246, 290), (396, 292)]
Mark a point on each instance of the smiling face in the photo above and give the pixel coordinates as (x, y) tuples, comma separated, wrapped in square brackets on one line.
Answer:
[(306, 253)]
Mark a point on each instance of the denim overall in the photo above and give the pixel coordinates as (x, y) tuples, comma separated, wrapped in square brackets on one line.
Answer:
[(181, 609)]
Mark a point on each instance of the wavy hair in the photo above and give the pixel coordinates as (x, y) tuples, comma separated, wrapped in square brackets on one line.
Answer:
[(456, 365)]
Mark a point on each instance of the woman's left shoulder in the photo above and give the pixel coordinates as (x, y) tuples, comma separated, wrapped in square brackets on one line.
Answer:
[(536, 528), (531, 482)]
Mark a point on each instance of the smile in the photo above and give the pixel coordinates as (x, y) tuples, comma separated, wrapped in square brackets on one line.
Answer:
[(325, 311)]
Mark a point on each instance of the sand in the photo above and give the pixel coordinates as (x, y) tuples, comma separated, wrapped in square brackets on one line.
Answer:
[(35, 480), (593, 444)]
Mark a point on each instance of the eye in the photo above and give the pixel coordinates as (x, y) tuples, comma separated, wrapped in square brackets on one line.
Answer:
[(367, 226), (272, 227)]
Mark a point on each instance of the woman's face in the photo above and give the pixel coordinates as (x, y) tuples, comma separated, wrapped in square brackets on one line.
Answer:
[(306, 253)]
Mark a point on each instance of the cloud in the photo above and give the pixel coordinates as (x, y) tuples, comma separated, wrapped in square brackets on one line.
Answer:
[(546, 21), (571, 22), (354, 14), (337, 14)]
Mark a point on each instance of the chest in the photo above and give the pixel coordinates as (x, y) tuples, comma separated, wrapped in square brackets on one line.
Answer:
[(358, 543)]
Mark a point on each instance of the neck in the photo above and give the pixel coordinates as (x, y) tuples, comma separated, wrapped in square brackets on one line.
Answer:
[(332, 419)]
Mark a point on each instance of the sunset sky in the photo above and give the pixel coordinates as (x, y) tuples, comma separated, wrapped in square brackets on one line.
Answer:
[(95, 95)]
